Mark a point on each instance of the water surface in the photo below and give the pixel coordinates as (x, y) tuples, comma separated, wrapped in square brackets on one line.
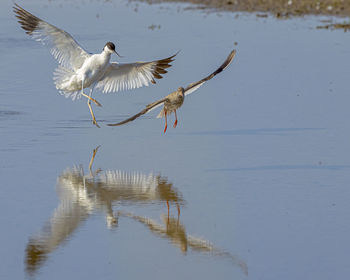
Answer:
[(256, 174)]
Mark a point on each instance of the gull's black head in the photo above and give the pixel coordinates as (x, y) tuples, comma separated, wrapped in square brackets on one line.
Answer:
[(110, 47)]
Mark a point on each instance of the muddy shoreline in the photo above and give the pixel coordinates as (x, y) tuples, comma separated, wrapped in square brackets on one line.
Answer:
[(278, 8)]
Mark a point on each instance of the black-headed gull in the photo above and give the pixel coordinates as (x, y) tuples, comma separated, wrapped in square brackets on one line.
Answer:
[(79, 69)]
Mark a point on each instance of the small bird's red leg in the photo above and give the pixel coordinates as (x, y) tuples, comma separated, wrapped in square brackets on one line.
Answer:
[(175, 123), (166, 122), (178, 212), (167, 204)]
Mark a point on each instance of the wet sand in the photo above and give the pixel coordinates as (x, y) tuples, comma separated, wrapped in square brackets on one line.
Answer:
[(279, 8)]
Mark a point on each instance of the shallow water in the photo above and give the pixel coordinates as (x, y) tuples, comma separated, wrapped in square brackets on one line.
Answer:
[(256, 173)]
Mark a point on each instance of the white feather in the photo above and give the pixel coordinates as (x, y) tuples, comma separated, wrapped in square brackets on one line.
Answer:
[(62, 46), (126, 76), (191, 90)]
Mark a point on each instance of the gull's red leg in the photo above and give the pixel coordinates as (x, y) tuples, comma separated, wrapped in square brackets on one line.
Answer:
[(166, 122), (175, 123)]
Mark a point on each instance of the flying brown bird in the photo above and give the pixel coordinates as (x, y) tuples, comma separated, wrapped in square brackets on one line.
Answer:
[(174, 100)]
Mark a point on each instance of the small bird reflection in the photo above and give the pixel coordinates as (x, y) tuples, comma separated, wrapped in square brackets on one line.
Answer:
[(174, 231), (82, 194)]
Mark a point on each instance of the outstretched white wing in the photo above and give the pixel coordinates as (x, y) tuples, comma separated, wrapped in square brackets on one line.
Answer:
[(194, 86), (133, 75), (62, 45)]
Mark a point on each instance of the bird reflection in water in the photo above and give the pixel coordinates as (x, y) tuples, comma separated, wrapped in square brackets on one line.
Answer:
[(83, 194), (175, 232)]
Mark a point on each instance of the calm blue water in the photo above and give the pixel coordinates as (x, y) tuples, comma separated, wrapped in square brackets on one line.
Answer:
[(258, 165)]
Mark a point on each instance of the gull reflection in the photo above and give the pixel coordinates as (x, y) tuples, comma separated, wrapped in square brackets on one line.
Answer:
[(175, 233), (82, 194)]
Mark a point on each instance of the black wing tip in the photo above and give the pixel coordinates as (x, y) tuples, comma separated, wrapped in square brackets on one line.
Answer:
[(124, 121), (114, 124), (227, 62), (232, 55), (27, 21), (160, 67), (229, 58), (171, 57), (17, 7)]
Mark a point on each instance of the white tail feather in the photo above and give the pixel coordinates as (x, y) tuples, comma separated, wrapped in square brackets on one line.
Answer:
[(62, 79), (161, 114)]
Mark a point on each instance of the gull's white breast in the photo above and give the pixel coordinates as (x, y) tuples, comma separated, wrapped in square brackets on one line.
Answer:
[(93, 69)]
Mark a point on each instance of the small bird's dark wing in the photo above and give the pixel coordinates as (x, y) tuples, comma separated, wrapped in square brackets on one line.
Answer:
[(148, 108), (194, 86)]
